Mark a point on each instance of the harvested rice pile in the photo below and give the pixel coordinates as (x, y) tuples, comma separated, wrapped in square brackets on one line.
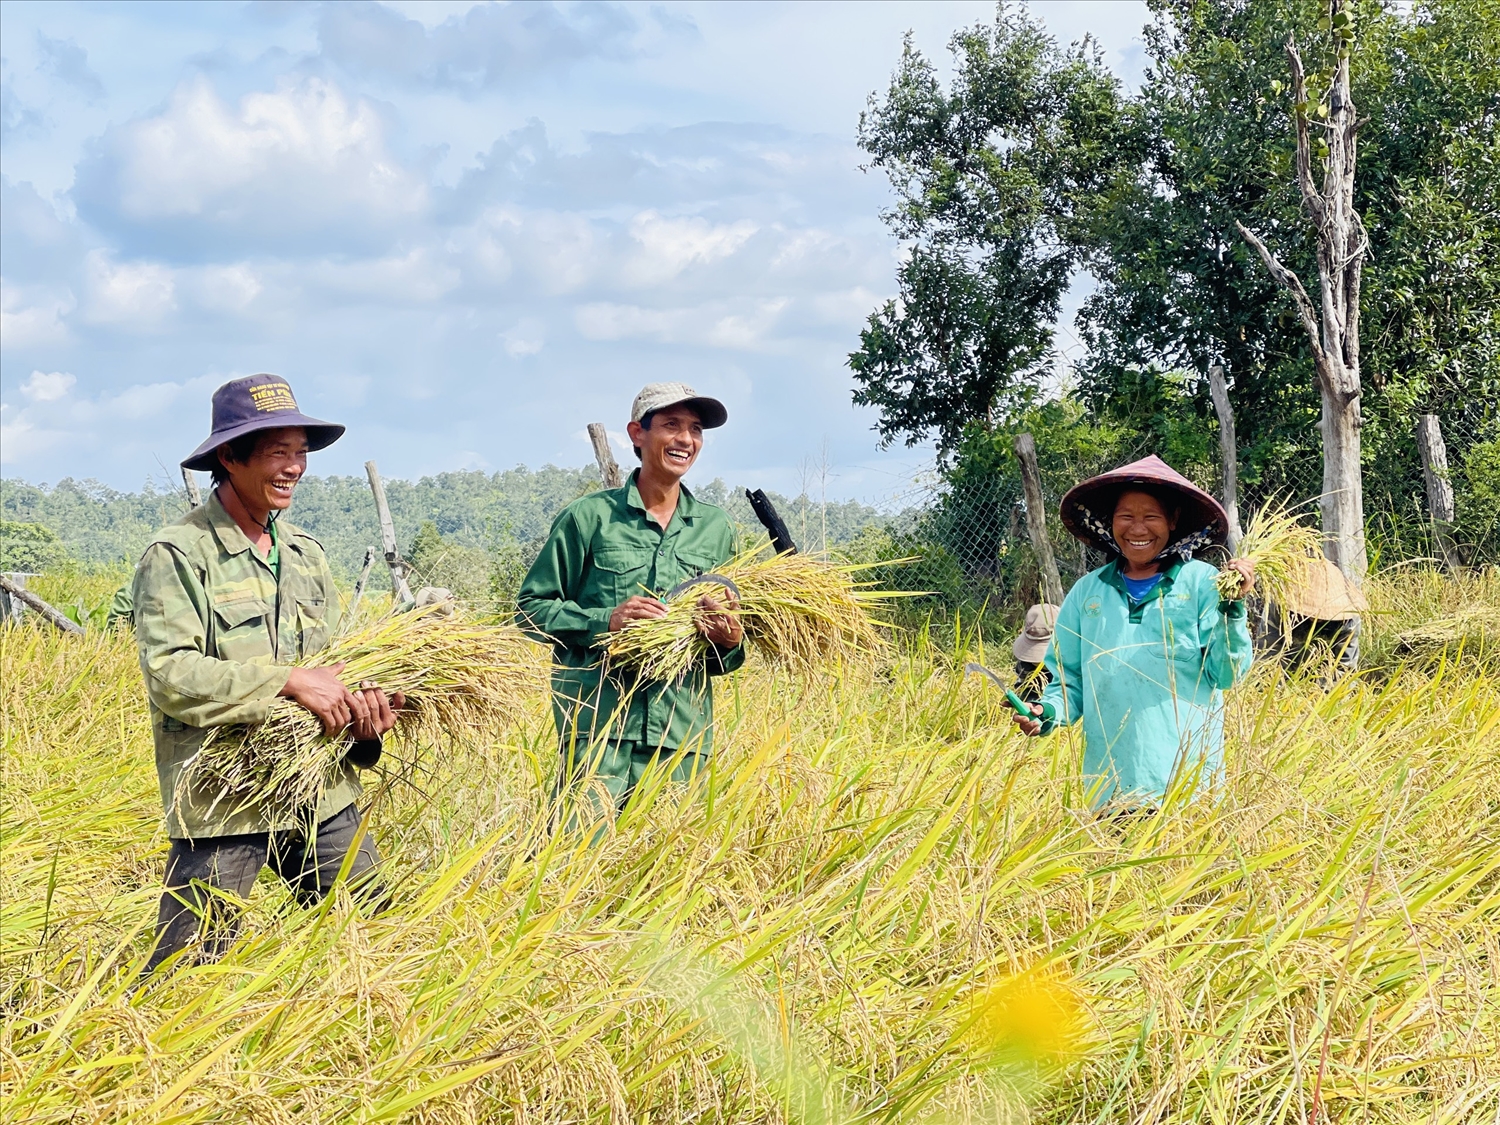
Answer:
[(1282, 549), (798, 611), (1473, 631), (456, 675)]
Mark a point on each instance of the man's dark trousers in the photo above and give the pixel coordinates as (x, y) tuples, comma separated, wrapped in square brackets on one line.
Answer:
[(308, 861)]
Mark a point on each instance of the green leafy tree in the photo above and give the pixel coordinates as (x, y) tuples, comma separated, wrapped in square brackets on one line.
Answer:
[(30, 548), (1179, 290), (436, 561), (989, 175)]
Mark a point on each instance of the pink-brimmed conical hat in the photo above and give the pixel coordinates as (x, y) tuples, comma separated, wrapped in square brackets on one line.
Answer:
[(1088, 509)]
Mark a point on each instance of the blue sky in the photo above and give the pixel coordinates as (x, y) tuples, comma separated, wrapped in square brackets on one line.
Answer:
[(464, 230)]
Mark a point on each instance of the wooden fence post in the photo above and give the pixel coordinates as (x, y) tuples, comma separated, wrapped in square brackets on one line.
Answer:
[(21, 594), (190, 482), (364, 576), (393, 559), (609, 470), (1439, 487), (1036, 518), (1219, 391)]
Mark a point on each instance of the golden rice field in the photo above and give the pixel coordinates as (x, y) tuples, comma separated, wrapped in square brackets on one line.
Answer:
[(880, 906)]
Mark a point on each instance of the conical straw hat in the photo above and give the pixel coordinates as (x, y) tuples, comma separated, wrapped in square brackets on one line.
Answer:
[(1088, 509), (1327, 594)]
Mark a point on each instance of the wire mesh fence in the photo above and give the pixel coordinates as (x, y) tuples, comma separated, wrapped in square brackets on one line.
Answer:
[(967, 536)]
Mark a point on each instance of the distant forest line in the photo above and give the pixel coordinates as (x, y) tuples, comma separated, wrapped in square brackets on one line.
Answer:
[(98, 525)]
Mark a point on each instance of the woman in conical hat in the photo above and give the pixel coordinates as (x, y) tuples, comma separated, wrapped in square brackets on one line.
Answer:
[(1144, 647)]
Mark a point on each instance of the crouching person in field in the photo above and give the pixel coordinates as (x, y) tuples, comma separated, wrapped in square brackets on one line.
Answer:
[(611, 556), (224, 600), (1144, 647)]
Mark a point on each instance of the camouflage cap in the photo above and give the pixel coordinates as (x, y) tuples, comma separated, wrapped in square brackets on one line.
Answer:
[(257, 402), (659, 396)]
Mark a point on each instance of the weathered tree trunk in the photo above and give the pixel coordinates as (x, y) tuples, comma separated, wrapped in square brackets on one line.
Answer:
[(1333, 328), (1439, 487), (1036, 519), (1219, 391), (609, 469)]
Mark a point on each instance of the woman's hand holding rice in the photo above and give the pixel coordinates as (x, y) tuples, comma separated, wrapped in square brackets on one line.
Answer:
[(1247, 573)]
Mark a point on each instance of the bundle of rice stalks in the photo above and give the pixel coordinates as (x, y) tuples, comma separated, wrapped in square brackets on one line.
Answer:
[(1282, 548), (798, 611), (456, 675), (1473, 630)]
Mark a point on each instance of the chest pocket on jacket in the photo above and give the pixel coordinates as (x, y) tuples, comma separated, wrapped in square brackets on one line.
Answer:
[(242, 632), (622, 573), (312, 625)]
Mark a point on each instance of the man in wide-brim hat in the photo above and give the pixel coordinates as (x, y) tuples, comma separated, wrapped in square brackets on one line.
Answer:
[(1144, 646), (225, 600)]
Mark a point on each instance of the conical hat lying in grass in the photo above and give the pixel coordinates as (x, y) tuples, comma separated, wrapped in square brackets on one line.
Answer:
[(1326, 594)]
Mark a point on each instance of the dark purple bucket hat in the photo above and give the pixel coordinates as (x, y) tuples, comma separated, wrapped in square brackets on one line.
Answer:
[(257, 402)]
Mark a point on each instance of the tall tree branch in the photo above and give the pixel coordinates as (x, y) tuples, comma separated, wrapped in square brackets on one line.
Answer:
[(1305, 182), (1292, 284)]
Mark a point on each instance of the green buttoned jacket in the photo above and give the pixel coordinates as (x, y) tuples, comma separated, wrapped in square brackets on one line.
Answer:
[(215, 630), (602, 549)]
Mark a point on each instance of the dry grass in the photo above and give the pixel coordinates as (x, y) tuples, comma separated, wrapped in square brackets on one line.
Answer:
[(865, 912)]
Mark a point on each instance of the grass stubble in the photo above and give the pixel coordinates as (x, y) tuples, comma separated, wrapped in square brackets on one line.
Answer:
[(881, 904)]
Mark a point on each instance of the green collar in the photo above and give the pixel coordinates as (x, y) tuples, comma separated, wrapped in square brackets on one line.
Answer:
[(1113, 575), (273, 556), (687, 506), (233, 539), (225, 529)]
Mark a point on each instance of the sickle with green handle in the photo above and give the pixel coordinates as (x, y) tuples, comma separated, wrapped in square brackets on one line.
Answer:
[(709, 579), (1020, 705)]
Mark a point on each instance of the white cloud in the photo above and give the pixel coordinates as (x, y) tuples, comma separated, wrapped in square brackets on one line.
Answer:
[(527, 337), (489, 45), (299, 169), (48, 386), (668, 246), (20, 440), (226, 288), (421, 277), (136, 295), (716, 327), (32, 318), (136, 415)]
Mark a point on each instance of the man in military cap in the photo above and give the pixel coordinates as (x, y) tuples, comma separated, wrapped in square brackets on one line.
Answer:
[(610, 559), (224, 601)]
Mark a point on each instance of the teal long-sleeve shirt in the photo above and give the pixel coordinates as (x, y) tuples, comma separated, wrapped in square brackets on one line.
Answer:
[(1147, 679), (602, 549)]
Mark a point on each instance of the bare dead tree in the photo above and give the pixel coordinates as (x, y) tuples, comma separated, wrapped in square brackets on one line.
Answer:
[(1333, 327)]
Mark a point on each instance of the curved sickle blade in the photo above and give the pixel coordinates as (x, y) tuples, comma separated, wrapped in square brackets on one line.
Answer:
[(709, 579), (985, 672)]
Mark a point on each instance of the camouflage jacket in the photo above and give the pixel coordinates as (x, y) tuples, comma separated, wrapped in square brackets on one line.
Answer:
[(215, 630)]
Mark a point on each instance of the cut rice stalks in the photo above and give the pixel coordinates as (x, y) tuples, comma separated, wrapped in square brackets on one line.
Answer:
[(800, 612), (456, 675), (1473, 631), (1282, 549)]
